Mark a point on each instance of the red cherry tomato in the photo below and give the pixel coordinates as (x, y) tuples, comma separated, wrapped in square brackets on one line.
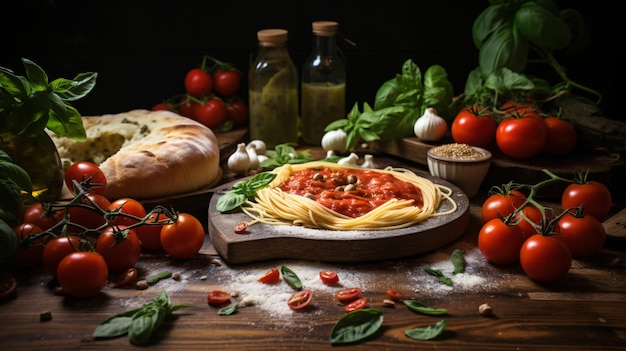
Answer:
[(212, 113), (161, 107), (395, 295), (501, 204), (83, 273), (38, 214), (198, 82), (473, 126), (127, 206), (585, 235), (356, 304), (184, 238), (500, 242), (30, 256), (545, 258), (186, 107), (300, 300), (120, 248), (329, 277), (270, 277), (226, 83), (56, 249), (534, 215), (218, 298), (238, 112), (594, 196), (562, 137), (347, 295), (88, 175), (89, 218), (521, 138), (241, 227), (150, 234)]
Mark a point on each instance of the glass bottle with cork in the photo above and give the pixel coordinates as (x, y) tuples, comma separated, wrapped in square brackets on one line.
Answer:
[(323, 83), (273, 91)]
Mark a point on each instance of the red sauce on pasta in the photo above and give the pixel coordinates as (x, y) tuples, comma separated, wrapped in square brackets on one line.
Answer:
[(350, 192)]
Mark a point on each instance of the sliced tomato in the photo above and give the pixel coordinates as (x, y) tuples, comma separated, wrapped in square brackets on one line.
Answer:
[(356, 304), (395, 295), (300, 300), (347, 295), (329, 277), (8, 285), (270, 277), (218, 297)]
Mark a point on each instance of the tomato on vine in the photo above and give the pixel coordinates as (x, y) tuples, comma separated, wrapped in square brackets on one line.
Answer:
[(521, 137), (237, 111), (584, 234), (127, 206), (502, 201), (90, 215), (184, 238), (82, 273), (562, 137), (41, 215), (120, 248), (545, 257), (226, 82), (500, 241), (212, 113), (88, 175), (474, 126), (198, 82), (593, 195), (150, 234), (29, 253)]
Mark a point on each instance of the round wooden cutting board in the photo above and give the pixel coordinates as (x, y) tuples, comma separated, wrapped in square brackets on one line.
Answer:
[(265, 242)]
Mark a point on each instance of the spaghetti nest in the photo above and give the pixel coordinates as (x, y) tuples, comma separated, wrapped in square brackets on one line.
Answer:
[(274, 206)]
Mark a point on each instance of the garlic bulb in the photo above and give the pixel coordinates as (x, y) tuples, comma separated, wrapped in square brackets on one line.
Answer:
[(254, 158), (239, 161), (349, 160), (430, 126), (335, 140), (258, 145), (369, 162)]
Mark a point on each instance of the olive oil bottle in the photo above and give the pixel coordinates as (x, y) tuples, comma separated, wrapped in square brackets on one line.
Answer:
[(323, 83), (273, 91)]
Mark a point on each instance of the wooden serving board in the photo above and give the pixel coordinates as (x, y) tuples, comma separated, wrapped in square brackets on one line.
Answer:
[(264, 242), (615, 226), (608, 169)]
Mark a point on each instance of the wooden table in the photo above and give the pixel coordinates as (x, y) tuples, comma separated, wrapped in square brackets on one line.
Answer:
[(586, 310)]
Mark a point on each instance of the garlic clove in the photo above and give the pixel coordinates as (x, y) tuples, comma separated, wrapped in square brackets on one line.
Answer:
[(349, 160), (369, 162), (254, 158), (239, 161), (258, 145)]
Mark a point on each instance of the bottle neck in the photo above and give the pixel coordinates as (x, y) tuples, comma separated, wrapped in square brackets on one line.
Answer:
[(325, 45)]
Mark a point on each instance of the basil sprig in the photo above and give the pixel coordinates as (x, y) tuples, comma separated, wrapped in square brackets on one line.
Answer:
[(242, 191), (141, 323), (356, 326)]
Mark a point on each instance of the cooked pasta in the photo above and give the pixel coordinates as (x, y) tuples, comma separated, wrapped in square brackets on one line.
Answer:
[(359, 189)]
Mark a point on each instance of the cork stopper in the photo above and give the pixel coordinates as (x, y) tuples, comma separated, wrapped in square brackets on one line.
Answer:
[(325, 28), (272, 37)]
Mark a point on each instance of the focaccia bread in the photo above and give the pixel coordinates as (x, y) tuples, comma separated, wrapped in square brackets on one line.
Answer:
[(147, 154)]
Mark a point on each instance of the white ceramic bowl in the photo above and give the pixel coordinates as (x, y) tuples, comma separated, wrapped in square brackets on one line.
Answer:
[(462, 165)]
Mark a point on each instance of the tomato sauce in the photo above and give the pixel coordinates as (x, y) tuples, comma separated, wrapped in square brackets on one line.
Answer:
[(350, 192)]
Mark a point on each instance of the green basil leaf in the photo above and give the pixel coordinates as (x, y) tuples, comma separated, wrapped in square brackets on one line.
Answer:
[(487, 22), (458, 261), (9, 242), (114, 327), (230, 201), (161, 275), (356, 326), (228, 310), (141, 328), (439, 274), (291, 278), (541, 27), (72, 90), (423, 309), (427, 333), (37, 76)]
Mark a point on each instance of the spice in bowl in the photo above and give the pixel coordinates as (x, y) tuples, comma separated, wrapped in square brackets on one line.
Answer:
[(461, 164)]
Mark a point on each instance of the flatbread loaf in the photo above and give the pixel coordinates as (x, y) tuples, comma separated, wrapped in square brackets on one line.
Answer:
[(147, 154)]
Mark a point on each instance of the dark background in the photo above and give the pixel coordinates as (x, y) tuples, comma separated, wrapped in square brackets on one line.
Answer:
[(142, 49)]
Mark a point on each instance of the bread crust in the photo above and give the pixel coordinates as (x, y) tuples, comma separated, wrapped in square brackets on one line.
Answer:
[(162, 154)]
